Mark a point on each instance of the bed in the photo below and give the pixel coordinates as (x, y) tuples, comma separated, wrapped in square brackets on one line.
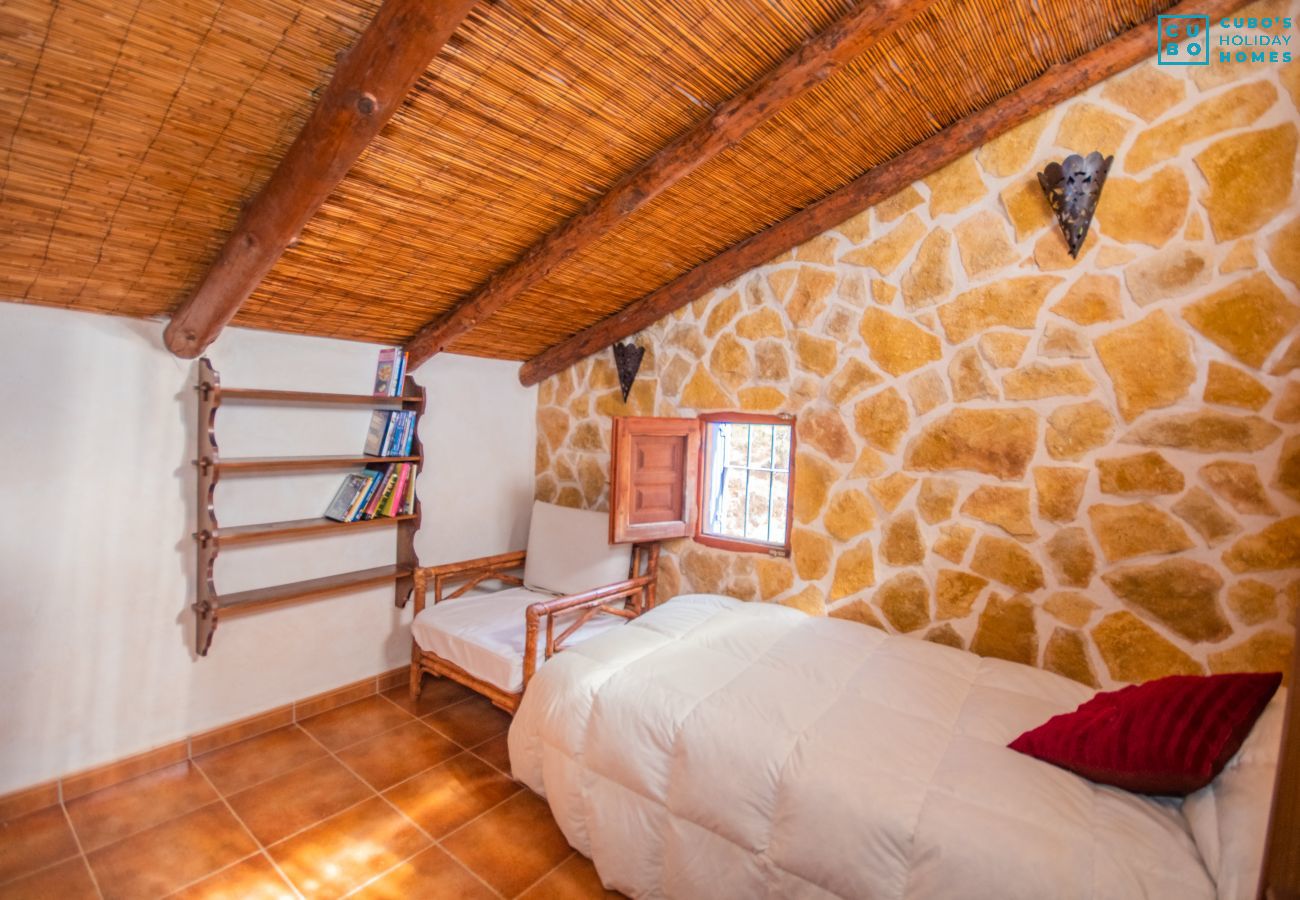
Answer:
[(727, 749)]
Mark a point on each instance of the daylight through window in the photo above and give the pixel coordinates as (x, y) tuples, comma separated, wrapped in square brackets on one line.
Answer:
[(746, 490)]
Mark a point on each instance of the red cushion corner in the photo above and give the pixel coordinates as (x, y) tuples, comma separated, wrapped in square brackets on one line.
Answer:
[(1171, 736)]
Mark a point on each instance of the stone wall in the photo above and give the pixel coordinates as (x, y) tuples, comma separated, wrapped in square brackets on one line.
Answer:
[(1093, 465)]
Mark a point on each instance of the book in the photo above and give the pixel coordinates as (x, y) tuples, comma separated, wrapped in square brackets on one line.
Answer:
[(408, 500), (400, 374), (372, 477), (379, 420), (409, 442), (386, 496), (354, 484), (394, 503), (372, 505), (393, 439), (386, 382)]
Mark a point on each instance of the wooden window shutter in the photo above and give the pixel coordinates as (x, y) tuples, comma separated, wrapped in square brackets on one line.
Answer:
[(654, 470)]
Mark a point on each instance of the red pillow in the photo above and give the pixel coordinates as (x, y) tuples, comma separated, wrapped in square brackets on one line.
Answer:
[(1168, 736)]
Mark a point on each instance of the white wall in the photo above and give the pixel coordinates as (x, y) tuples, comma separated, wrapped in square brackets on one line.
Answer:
[(97, 430)]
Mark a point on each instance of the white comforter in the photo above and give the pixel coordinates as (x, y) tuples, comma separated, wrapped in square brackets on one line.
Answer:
[(713, 748)]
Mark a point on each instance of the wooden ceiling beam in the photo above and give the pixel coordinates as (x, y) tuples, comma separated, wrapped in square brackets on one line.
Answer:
[(1058, 83), (816, 60), (370, 82)]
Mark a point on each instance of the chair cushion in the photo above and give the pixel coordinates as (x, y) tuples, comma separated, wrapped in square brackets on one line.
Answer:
[(569, 551), (483, 633)]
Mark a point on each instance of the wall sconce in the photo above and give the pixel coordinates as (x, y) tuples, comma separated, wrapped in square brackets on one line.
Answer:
[(627, 359), (1073, 188)]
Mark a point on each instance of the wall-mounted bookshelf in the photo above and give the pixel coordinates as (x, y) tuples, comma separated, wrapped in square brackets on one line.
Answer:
[(210, 605)]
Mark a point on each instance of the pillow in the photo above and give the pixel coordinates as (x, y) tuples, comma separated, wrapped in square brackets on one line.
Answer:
[(1168, 736), (1229, 816), (569, 551)]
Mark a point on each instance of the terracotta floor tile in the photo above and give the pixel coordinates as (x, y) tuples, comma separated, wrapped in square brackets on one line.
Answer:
[(108, 815), (303, 796), (433, 875), (171, 855), (396, 755), (512, 845), (436, 693), (244, 764), (252, 879), (34, 841), (447, 796), (496, 752), (333, 857), (575, 879), (470, 722), (68, 880), (355, 722)]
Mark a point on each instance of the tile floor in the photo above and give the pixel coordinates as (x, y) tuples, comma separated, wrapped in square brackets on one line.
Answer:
[(379, 798)]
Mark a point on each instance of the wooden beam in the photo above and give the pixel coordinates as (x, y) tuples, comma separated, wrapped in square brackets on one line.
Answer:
[(368, 86), (816, 60), (1058, 83)]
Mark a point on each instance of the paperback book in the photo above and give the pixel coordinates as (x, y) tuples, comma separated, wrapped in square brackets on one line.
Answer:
[(390, 372), (347, 497)]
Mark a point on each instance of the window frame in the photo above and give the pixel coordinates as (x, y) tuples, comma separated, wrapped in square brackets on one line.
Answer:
[(742, 545)]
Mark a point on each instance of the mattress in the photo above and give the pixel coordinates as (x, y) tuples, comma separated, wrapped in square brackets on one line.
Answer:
[(726, 749)]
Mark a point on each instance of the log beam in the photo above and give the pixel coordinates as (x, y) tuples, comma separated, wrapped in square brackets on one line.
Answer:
[(1058, 83), (370, 82), (816, 60)]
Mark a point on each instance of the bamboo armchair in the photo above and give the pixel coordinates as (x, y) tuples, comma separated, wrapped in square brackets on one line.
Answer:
[(624, 599)]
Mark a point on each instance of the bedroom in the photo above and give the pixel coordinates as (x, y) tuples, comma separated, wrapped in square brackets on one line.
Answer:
[(952, 478)]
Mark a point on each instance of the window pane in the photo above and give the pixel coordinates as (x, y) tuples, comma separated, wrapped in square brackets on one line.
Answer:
[(733, 503), (737, 444), (780, 495), (756, 522), (760, 446), (781, 445)]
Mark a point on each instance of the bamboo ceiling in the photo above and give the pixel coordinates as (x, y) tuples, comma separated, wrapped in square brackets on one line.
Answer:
[(132, 131)]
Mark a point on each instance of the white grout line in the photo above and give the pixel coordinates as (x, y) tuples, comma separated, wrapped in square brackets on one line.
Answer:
[(189, 884), (260, 847), (434, 842), (85, 860), (548, 873)]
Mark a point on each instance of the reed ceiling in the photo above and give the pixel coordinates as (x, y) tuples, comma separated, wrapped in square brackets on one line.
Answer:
[(132, 131)]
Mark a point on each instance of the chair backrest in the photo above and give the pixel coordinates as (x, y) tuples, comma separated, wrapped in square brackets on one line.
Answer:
[(569, 551)]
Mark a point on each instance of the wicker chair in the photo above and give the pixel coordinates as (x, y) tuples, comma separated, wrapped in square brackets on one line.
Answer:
[(568, 586)]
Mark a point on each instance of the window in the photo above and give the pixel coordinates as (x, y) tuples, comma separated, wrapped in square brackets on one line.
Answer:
[(745, 481), (724, 479)]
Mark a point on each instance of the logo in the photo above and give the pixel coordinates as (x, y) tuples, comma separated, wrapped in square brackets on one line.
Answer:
[(1184, 41)]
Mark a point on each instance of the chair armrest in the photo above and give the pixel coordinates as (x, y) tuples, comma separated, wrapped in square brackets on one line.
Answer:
[(638, 590), (470, 571)]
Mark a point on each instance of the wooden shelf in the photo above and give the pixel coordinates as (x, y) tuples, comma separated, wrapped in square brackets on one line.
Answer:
[(250, 465), (309, 398), (210, 606), (300, 591), (281, 531)]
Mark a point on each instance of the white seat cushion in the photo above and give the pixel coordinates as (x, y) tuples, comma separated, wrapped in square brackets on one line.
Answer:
[(569, 551), (483, 633)]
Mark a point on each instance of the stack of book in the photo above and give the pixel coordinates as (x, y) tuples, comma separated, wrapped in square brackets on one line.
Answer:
[(391, 433), (375, 494), (379, 491)]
